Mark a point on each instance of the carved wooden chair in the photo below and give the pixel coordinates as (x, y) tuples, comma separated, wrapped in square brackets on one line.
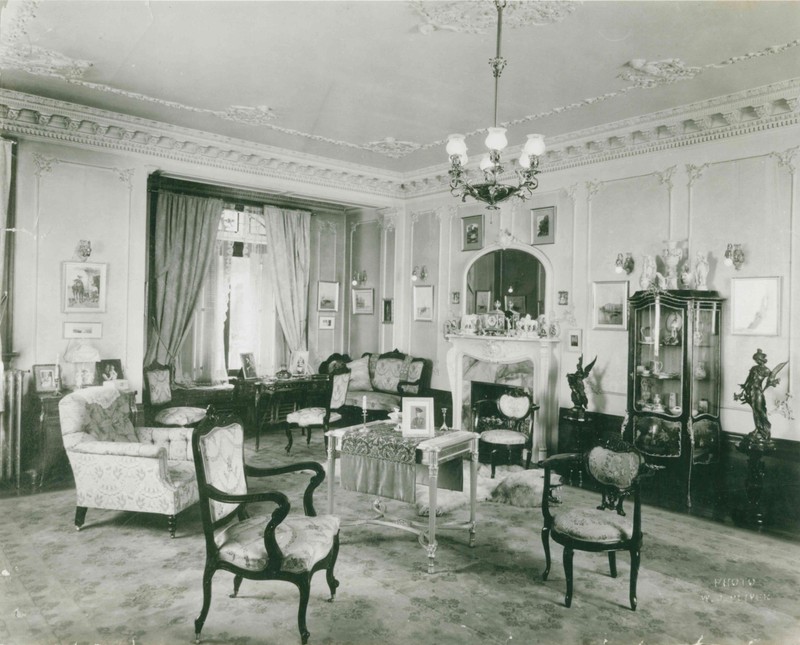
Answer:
[(330, 392), (276, 546), (505, 426), (615, 468)]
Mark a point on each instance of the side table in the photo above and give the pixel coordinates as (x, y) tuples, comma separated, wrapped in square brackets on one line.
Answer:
[(42, 446)]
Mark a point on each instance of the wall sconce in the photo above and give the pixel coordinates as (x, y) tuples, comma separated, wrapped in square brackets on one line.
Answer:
[(84, 249), (625, 264), (734, 256), (419, 273), (359, 278)]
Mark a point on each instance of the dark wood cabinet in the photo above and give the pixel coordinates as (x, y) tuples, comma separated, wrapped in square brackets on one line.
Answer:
[(43, 457), (674, 375)]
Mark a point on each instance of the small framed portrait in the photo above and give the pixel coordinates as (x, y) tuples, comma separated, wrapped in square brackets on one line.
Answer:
[(418, 417), (299, 362), (455, 298), (249, 370), (563, 297), (610, 305), (84, 287), (229, 222), (327, 322), (327, 296), (45, 378), (483, 302), (388, 311), (109, 369), (575, 340), (472, 233), (363, 302), (543, 225), (423, 302)]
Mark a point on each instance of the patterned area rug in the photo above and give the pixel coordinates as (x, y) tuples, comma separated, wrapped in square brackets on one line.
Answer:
[(121, 580)]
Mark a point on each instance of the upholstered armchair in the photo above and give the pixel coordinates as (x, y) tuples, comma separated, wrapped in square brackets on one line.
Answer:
[(119, 467)]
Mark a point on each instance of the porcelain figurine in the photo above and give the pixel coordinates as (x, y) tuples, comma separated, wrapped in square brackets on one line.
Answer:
[(648, 272), (701, 271), (672, 256)]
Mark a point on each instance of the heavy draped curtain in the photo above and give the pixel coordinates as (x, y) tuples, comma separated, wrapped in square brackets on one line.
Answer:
[(185, 234), (288, 240)]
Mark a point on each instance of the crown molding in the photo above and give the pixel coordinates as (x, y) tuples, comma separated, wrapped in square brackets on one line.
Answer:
[(758, 109), (27, 115)]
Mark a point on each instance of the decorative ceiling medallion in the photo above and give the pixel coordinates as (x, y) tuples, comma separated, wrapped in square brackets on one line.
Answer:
[(392, 148), (480, 16), (645, 73)]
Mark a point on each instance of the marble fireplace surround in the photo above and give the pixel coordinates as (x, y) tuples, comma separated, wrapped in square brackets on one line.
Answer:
[(540, 352)]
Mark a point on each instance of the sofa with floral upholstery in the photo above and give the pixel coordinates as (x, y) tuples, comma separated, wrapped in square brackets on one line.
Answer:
[(119, 467), (382, 380)]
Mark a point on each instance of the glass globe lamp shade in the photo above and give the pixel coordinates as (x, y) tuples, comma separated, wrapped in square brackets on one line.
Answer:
[(457, 146), (486, 163), (534, 146), (496, 140), (524, 161)]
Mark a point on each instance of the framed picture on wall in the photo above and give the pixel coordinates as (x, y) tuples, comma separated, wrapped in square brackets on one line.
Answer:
[(423, 302), (543, 225), (327, 322), (756, 306), (610, 305), (388, 311), (472, 233), (363, 302), (84, 287), (575, 340), (327, 296), (83, 330)]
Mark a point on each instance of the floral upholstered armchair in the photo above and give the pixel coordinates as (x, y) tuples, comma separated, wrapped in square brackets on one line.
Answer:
[(119, 467)]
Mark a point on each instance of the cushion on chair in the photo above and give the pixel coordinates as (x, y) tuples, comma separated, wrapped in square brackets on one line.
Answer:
[(304, 541), (110, 423), (180, 416), (359, 374), (504, 437), (311, 417), (594, 525)]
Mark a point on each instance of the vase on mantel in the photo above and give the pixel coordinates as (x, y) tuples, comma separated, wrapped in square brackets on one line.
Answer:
[(672, 256)]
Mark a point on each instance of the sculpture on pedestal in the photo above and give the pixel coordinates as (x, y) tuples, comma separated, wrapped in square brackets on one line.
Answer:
[(578, 389)]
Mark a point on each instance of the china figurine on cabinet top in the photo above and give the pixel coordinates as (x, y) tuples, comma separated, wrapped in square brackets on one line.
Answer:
[(701, 271)]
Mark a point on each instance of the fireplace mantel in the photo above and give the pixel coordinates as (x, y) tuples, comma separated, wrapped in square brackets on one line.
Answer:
[(506, 349)]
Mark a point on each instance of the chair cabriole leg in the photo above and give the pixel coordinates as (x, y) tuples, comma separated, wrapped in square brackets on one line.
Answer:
[(546, 544), (80, 517), (305, 592), (237, 582), (208, 574), (635, 558), (333, 583), (568, 553), (289, 439)]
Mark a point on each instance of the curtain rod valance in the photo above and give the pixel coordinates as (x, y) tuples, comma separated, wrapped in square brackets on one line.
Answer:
[(157, 182)]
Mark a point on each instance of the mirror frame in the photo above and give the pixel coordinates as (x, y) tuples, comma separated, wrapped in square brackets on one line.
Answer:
[(547, 267)]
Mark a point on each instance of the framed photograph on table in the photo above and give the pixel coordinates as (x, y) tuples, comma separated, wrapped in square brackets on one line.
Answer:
[(299, 362), (516, 303), (756, 306), (84, 287), (610, 305), (423, 302), (472, 233), (249, 370), (418, 417), (543, 225), (327, 296), (45, 378), (109, 369), (363, 302)]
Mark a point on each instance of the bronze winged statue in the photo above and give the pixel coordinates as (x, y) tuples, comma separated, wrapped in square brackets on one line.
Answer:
[(578, 389)]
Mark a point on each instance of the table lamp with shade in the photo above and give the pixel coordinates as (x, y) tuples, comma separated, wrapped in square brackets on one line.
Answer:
[(84, 358)]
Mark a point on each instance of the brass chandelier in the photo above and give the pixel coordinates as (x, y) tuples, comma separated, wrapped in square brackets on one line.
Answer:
[(490, 190)]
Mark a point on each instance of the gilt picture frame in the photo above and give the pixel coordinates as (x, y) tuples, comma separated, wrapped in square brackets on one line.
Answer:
[(327, 296), (363, 302), (543, 225), (472, 233), (423, 302), (610, 305)]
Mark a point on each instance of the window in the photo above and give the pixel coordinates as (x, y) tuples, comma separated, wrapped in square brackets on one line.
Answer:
[(236, 312)]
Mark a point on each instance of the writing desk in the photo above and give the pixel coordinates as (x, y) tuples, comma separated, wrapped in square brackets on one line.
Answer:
[(372, 442)]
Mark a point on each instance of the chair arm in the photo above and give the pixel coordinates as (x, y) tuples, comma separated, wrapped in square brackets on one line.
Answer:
[(119, 448), (316, 479), (177, 441), (548, 464), (562, 458)]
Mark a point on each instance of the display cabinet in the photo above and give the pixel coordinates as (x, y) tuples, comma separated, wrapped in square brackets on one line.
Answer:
[(674, 380)]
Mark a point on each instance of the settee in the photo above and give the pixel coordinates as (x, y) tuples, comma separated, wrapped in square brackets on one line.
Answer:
[(382, 380)]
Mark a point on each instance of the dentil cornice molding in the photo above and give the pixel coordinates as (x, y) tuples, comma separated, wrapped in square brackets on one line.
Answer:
[(27, 115), (759, 109)]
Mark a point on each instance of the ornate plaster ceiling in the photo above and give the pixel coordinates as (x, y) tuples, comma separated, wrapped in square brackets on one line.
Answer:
[(382, 84)]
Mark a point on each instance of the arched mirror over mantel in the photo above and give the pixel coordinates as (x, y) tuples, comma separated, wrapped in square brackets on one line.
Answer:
[(511, 276)]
